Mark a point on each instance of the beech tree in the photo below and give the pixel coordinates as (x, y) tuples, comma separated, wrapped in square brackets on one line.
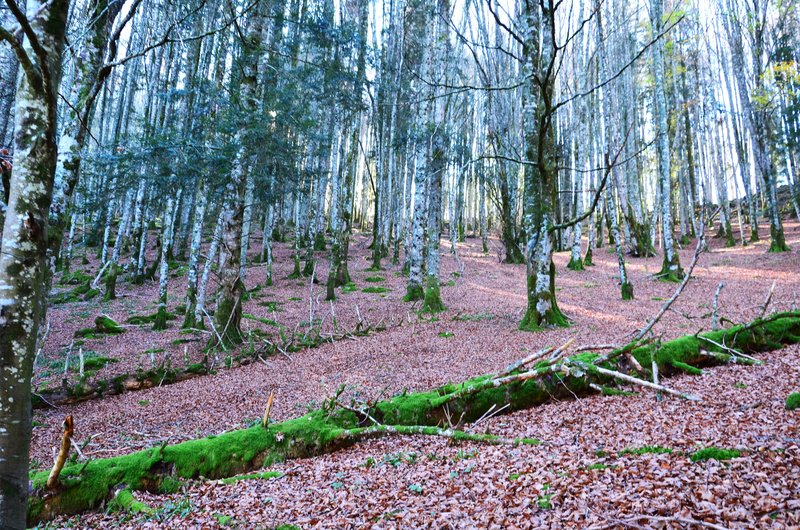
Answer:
[(23, 267)]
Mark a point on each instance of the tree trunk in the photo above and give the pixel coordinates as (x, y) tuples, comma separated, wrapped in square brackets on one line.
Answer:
[(23, 267)]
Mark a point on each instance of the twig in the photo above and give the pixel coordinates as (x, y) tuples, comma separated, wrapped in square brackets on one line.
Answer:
[(214, 329), (595, 347), (265, 421), (767, 301), (358, 412), (99, 274), (634, 380), (715, 305), (732, 351), (527, 360), (61, 458), (45, 400)]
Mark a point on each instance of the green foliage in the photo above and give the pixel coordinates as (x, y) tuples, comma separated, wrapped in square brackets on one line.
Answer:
[(793, 401), (543, 501), (446, 334), (715, 453)]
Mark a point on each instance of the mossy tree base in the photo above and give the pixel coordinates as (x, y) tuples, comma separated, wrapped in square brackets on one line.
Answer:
[(110, 280), (432, 303), (553, 318), (587, 261), (87, 486), (413, 293), (671, 271), (778, 243), (575, 265), (160, 322), (627, 291)]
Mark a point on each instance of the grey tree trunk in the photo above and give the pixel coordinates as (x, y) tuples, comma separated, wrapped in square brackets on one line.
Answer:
[(671, 267), (23, 267)]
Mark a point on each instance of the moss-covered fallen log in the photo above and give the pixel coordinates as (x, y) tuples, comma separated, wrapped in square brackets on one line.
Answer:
[(332, 426), (84, 390)]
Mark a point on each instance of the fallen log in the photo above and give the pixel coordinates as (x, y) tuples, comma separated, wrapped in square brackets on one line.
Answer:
[(331, 427)]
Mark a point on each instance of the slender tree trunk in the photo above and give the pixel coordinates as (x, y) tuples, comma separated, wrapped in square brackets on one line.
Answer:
[(671, 268)]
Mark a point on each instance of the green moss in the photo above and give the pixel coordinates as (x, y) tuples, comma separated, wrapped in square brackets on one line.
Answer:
[(271, 305), (646, 450), (160, 321), (267, 321), (124, 502), (103, 325), (715, 453), (587, 261), (374, 279), (433, 297), (140, 320), (688, 368), (793, 401), (414, 292), (533, 320), (253, 476), (608, 391), (197, 368), (96, 363), (375, 289), (575, 265), (319, 241), (627, 291), (477, 317)]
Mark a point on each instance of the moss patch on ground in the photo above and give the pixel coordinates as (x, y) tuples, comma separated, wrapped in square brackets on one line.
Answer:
[(793, 401)]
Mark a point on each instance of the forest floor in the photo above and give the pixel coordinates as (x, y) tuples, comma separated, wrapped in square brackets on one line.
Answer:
[(576, 478)]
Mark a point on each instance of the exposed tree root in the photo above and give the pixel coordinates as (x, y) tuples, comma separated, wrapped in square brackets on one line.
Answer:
[(333, 426)]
